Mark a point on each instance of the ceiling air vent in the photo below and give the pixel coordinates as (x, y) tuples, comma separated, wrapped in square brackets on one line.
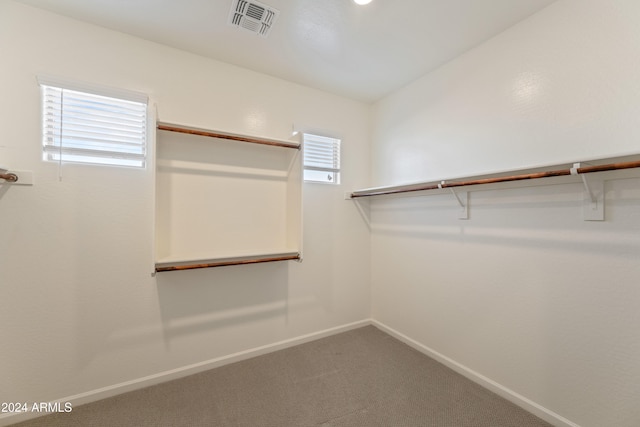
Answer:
[(253, 16)]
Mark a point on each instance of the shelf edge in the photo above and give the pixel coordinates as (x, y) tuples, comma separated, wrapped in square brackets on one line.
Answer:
[(496, 179), (223, 262), (172, 127)]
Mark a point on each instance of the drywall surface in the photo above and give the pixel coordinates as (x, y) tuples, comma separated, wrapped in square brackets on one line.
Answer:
[(525, 292), (80, 309), (557, 88)]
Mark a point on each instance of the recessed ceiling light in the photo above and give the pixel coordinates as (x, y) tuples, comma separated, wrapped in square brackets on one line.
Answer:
[(362, 1)]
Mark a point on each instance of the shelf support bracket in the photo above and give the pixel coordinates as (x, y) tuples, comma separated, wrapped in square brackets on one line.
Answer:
[(463, 200), (16, 177), (593, 203)]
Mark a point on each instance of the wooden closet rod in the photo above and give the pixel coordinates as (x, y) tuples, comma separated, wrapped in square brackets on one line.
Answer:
[(227, 263), (9, 177), (535, 175), (230, 136)]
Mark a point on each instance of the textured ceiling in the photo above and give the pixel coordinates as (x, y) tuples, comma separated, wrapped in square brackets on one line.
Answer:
[(362, 52)]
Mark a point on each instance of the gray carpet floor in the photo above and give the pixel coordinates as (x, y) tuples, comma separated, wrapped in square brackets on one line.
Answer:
[(360, 378)]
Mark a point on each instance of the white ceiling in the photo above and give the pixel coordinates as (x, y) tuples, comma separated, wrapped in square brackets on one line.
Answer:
[(362, 52)]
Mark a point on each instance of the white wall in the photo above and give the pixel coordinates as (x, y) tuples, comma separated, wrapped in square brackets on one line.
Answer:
[(79, 308), (560, 87), (523, 293)]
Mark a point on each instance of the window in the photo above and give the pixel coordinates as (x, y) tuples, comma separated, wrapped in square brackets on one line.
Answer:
[(89, 127), (321, 159)]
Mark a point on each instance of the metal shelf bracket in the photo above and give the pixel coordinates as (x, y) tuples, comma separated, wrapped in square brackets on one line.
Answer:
[(463, 200), (593, 203)]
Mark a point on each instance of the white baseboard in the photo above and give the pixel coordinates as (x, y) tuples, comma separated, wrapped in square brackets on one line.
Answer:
[(116, 389), (502, 391)]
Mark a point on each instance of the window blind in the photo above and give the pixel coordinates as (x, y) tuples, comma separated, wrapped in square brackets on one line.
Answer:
[(321, 154), (90, 128)]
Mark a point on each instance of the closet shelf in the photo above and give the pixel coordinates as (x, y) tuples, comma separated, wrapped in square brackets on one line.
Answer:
[(221, 203), (171, 127), (471, 181), (168, 264)]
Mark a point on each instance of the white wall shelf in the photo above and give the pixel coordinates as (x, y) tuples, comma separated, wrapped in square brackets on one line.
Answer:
[(593, 209), (225, 199), (170, 127), (172, 264)]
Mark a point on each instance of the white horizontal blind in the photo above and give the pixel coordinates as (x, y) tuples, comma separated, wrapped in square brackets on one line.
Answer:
[(321, 159), (89, 128)]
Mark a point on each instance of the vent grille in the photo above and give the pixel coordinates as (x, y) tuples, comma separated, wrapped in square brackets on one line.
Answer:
[(253, 16)]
